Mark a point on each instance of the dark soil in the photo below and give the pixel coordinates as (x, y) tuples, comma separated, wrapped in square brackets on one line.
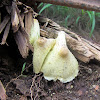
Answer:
[(84, 87)]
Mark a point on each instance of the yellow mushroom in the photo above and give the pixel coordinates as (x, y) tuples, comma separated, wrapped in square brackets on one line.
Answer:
[(52, 56), (60, 63)]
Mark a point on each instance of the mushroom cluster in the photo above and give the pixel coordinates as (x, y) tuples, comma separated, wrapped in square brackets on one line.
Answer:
[(53, 58)]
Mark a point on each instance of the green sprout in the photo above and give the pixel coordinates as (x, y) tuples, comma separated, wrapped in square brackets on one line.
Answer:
[(23, 68)]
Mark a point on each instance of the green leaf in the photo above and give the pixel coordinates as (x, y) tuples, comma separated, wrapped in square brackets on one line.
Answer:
[(66, 20), (83, 12), (46, 6), (93, 23), (40, 5), (77, 19), (89, 13), (23, 68)]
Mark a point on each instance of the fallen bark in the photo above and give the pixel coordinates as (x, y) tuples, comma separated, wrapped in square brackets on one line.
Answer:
[(3, 24), (81, 48), (6, 32), (3, 95), (21, 41), (14, 18)]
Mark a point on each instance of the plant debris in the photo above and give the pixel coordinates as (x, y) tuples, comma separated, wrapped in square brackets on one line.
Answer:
[(14, 18)]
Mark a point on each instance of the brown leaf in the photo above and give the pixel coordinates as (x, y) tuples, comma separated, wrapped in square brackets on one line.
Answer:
[(5, 35), (4, 22), (2, 92)]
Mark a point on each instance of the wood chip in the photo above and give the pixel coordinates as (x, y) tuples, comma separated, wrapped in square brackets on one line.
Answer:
[(2, 92), (14, 18), (20, 18), (27, 37), (8, 8), (28, 22), (6, 32), (21, 41), (4, 22)]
